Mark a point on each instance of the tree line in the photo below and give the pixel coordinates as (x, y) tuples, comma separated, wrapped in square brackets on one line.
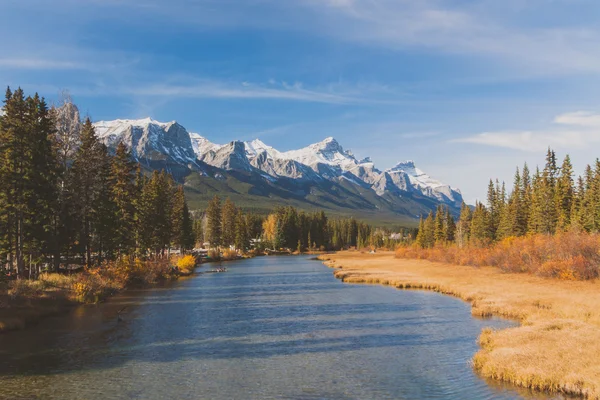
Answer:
[(225, 225), (64, 198), (545, 202)]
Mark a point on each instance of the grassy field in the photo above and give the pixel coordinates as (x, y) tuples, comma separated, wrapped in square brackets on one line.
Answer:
[(556, 348)]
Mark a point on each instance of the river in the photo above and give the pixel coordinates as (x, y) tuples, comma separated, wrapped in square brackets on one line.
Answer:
[(270, 327)]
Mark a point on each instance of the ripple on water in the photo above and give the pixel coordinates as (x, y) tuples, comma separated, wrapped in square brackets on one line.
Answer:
[(271, 327)]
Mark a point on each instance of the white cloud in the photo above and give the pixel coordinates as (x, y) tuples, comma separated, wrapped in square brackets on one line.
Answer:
[(579, 118), (470, 29), (225, 90), (511, 33), (39, 63), (585, 131)]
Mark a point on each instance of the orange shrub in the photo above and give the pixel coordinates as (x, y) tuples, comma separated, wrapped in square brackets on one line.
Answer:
[(567, 255), (229, 254)]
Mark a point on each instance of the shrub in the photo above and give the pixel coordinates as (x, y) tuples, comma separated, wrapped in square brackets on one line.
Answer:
[(229, 254), (214, 254), (25, 288), (186, 264), (568, 255)]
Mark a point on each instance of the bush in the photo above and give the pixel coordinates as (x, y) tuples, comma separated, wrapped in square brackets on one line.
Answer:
[(186, 264), (229, 255), (569, 255), (214, 254)]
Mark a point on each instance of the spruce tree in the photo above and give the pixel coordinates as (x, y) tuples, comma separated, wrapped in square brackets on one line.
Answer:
[(213, 213), (228, 219), (439, 233), (587, 207), (463, 228), (449, 227), (89, 193), (421, 239), (124, 195), (155, 213), (526, 196), (480, 233), (178, 219), (564, 195), (242, 239), (14, 176), (429, 230)]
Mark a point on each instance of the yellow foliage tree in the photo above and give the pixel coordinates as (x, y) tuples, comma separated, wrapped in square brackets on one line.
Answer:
[(270, 228)]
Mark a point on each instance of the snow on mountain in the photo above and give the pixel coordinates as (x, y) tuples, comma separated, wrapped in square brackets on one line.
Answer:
[(202, 145), (255, 147), (149, 139), (328, 152), (231, 156), (159, 141), (427, 185)]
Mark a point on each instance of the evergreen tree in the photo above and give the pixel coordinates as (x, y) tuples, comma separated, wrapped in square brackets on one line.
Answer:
[(526, 196), (90, 193), (213, 213), (480, 231), (421, 239), (449, 227), (463, 228), (536, 215), (577, 218), (14, 176), (493, 200), (155, 213), (429, 230), (124, 195), (564, 195), (242, 239), (228, 218), (45, 173), (589, 195), (178, 219), (439, 232)]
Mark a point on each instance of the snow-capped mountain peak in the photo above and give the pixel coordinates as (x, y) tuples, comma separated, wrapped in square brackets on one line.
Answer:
[(257, 146), (154, 142), (202, 145), (427, 185)]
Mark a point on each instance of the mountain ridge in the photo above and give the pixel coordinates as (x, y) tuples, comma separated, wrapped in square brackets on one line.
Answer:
[(322, 169)]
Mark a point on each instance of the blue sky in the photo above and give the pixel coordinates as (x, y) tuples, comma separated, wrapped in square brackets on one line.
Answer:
[(468, 89)]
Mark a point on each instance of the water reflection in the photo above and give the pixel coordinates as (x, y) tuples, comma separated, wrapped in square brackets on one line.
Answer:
[(272, 327)]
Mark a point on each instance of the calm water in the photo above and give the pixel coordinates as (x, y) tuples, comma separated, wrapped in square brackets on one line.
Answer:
[(271, 327)]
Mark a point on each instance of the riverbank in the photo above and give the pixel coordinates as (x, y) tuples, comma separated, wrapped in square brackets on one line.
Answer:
[(25, 302), (556, 348)]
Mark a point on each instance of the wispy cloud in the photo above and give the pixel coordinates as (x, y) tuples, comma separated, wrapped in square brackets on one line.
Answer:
[(213, 89), (581, 130), (40, 63), (579, 118), (482, 28), (275, 131), (469, 29)]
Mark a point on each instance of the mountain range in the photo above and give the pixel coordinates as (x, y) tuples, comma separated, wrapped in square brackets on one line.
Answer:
[(257, 176)]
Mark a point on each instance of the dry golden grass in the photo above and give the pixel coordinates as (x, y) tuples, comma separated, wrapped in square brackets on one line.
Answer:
[(557, 346)]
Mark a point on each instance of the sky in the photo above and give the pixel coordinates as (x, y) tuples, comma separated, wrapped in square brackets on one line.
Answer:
[(467, 89)]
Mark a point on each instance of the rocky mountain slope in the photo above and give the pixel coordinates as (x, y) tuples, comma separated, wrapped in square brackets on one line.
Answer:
[(320, 175)]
